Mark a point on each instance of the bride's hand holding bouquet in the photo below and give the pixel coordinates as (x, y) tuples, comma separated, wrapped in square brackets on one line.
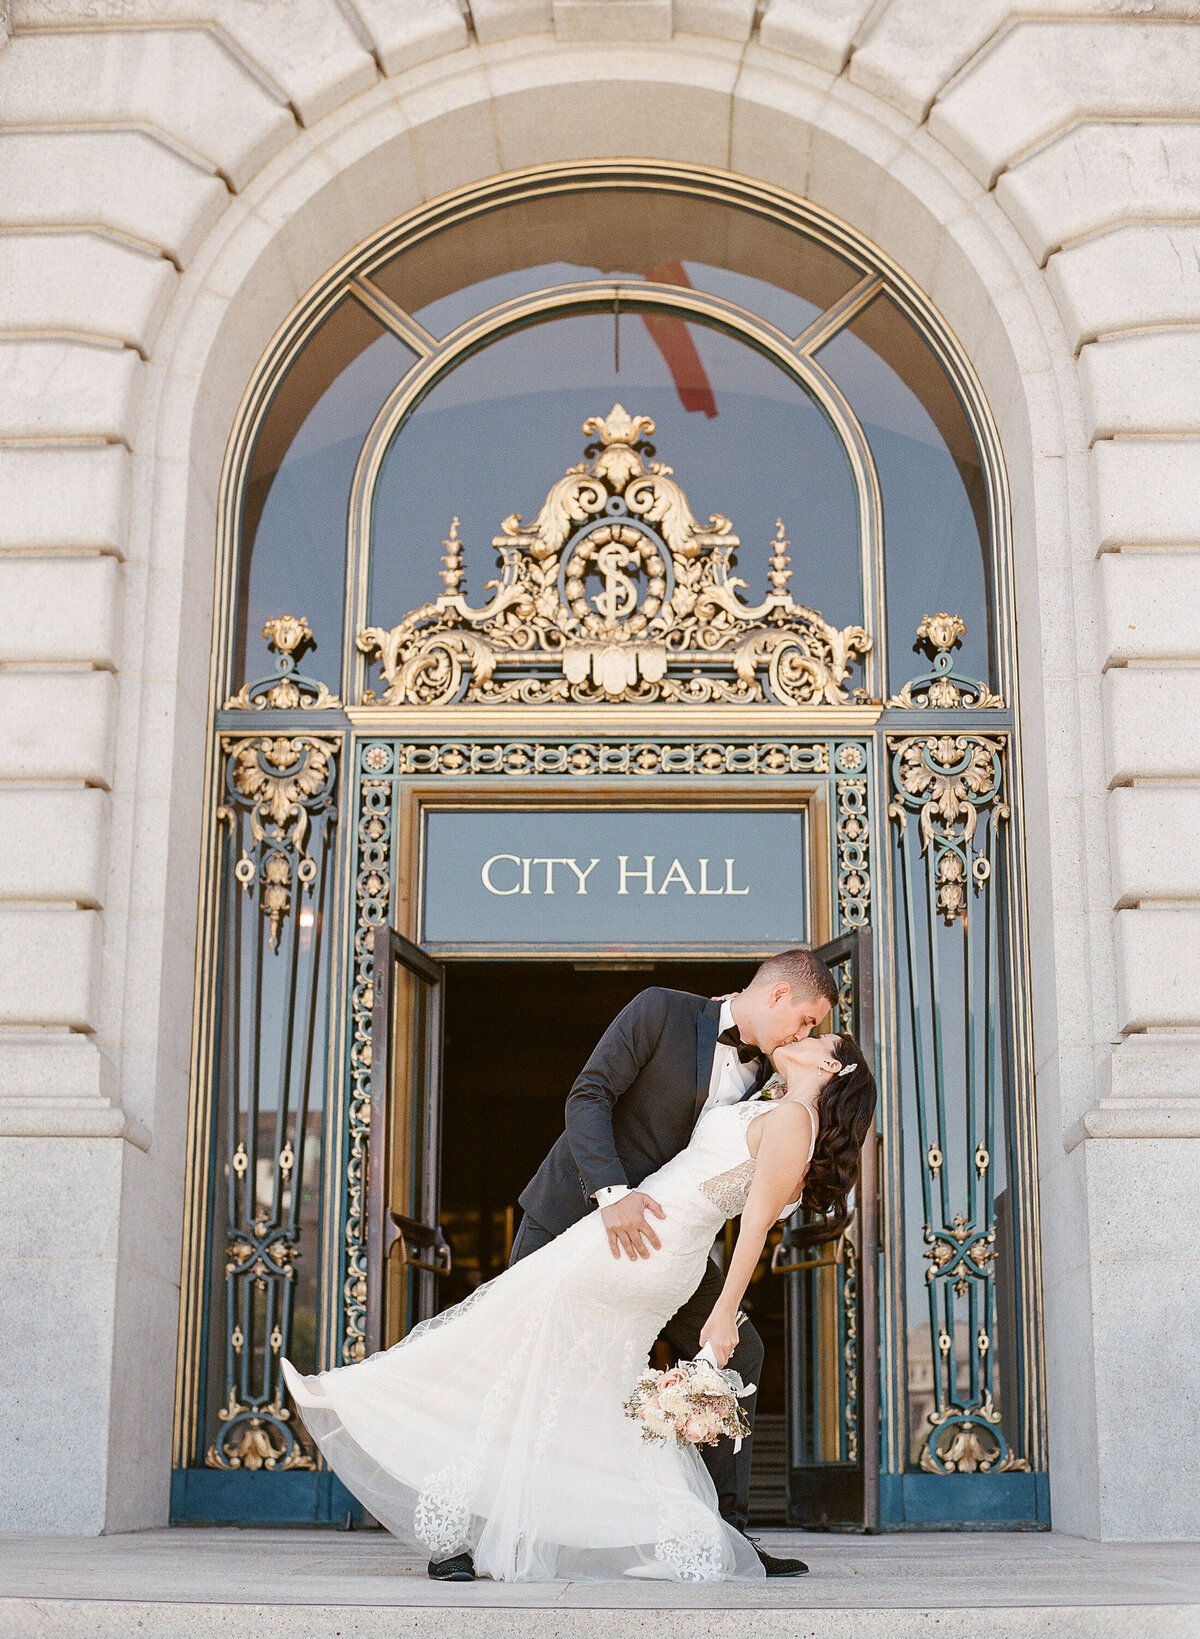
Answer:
[(720, 1333)]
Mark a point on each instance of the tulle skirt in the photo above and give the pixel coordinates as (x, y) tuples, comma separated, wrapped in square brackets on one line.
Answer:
[(499, 1427)]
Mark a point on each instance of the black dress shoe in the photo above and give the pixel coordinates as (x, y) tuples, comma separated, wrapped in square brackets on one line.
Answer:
[(458, 1568), (780, 1567)]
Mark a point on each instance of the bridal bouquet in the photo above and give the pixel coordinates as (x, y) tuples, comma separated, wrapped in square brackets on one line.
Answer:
[(693, 1403)]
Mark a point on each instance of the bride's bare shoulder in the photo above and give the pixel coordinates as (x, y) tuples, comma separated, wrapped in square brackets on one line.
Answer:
[(796, 1115), (790, 1127)]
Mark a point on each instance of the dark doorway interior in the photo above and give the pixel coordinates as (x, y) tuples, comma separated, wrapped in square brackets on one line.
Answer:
[(516, 1036)]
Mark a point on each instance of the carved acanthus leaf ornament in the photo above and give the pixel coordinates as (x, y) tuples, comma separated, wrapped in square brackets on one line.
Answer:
[(615, 592), (256, 1437), (949, 780), (282, 779)]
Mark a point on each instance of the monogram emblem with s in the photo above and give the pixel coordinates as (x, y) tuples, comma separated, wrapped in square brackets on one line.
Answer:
[(615, 592)]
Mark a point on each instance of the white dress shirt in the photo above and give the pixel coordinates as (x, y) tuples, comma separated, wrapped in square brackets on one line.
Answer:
[(729, 1082)]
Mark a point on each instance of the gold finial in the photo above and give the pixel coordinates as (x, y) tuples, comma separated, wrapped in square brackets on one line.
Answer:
[(452, 574), (943, 688), (287, 633), (618, 459), (942, 631), (780, 571), (619, 427)]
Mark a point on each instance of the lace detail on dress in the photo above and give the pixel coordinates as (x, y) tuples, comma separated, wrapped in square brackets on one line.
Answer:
[(694, 1550), (728, 1190), (442, 1516), (689, 1537), (445, 1502)]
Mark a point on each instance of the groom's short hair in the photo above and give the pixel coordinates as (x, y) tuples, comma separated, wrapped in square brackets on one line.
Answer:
[(804, 972)]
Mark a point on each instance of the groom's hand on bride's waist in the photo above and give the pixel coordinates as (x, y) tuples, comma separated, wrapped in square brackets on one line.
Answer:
[(627, 1226)]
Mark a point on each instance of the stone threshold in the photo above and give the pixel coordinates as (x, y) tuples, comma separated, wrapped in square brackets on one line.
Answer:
[(199, 1583), (138, 1619)]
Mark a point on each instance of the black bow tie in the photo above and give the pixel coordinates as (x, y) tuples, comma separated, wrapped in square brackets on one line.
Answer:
[(733, 1038)]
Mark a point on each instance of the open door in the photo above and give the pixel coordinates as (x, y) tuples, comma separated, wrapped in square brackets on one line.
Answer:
[(832, 1328), (406, 1250)]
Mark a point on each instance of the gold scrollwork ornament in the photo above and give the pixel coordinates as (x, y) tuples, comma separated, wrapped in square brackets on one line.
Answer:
[(968, 1440), (256, 1441), (372, 877), (615, 593), (581, 760), (961, 1252), (284, 779), (949, 780), (853, 848), (944, 688), (288, 635)]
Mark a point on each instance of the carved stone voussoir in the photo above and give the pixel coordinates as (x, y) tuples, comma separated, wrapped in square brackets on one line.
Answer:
[(615, 593)]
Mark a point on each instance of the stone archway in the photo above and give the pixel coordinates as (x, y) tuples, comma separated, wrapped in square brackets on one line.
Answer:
[(307, 200)]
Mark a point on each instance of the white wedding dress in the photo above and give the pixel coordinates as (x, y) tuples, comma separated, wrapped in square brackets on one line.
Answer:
[(499, 1426)]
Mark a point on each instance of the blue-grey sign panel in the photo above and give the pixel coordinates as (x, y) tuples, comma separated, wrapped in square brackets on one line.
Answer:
[(615, 879)]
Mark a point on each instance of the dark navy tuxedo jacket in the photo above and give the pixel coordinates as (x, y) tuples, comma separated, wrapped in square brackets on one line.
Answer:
[(633, 1105)]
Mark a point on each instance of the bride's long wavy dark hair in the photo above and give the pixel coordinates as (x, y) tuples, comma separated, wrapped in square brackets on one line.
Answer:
[(846, 1114)]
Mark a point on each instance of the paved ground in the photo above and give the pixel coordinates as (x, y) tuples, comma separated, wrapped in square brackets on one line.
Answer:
[(262, 1584)]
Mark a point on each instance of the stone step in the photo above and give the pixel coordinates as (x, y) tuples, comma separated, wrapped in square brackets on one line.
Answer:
[(198, 1583), (137, 1619)]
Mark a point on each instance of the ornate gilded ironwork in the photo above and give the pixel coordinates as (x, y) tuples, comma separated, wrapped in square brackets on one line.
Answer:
[(372, 892), (287, 690), (850, 1347), (614, 592), (969, 1442), (852, 899), (255, 1439), (285, 779), (961, 1252), (948, 780), (853, 837), (278, 807), (944, 688), (586, 758), (955, 784)]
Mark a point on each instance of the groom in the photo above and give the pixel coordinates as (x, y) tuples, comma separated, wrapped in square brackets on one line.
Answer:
[(664, 1060)]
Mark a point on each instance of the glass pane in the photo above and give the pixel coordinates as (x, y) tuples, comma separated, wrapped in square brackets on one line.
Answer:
[(610, 232), (492, 437), (298, 488), (934, 497)]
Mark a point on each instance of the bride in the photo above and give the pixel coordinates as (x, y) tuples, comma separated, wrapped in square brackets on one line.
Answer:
[(498, 1427)]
